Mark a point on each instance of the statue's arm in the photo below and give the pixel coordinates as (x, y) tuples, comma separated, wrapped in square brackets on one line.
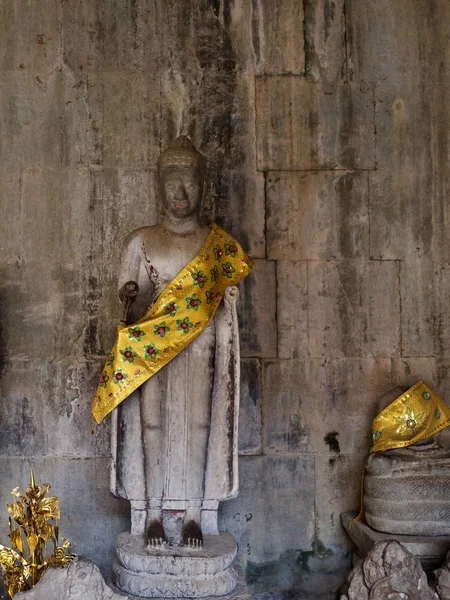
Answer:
[(128, 289), (222, 481), (129, 273)]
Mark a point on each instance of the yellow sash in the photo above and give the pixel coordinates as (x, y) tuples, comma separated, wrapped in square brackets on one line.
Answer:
[(181, 312)]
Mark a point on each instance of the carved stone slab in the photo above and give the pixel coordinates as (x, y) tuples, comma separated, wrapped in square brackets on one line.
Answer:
[(81, 580), (180, 573), (388, 571), (241, 591), (429, 550)]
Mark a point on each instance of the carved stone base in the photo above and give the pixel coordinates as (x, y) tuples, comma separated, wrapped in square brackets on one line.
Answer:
[(175, 572), (429, 550)]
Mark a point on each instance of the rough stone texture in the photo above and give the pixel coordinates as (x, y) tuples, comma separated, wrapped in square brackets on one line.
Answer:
[(325, 27), (241, 591), (346, 315), (185, 573), (292, 288), (250, 407), (429, 550), (406, 491), (317, 216), (388, 571), (91, 92), (257, 311), (301, 127), (425, 315), (91, 518), (440, 580), (280, 25), (81, 580), (265, 521)]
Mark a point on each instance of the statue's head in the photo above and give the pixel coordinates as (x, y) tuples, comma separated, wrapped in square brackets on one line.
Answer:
[(181, 174)]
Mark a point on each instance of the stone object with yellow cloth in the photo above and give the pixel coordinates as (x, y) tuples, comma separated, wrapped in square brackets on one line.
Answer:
[(407, 474), (171, 384)]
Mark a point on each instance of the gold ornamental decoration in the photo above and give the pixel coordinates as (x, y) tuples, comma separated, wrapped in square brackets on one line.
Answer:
[(33, 525), (414, 416)]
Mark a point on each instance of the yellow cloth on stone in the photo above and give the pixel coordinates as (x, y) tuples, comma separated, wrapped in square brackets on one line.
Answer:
[(180, 313), (415, 415), (412, 417)]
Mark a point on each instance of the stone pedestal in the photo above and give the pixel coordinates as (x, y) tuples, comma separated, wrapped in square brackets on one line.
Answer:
[(175, 572), (429, 550)]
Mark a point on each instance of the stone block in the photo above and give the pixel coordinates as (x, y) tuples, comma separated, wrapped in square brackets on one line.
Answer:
[(353, 309), (325, 26), (300, 127), (98, 37), (46, 408), (312, 405), (407, 138), (91, 518), (318, 216), (30, 35), (292, 309), (282, 46), (442, 377), (384, 41), (46, 120), (81, 580), (121, 200), (425, 288), (250, 408), (257, 310), (275, 507), (291, 407), (408, 371), (175, 572), (429, 550), (242, 210), (130, 115), (338, 489), (347, 393), (42, 311), (10, 201), (54, 210)]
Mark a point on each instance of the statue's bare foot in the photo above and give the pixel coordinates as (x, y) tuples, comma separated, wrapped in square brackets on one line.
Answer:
[(156, 537), (192, 535)]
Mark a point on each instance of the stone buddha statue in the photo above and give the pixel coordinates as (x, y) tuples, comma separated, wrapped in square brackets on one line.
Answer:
[(172, 383), (407, 475)]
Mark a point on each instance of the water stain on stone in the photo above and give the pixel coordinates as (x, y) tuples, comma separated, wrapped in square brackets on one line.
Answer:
[(329, 10), (331, 440), (332, 461), (297, 435)]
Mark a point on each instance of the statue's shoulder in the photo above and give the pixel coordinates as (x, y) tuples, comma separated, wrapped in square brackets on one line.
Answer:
[(141, 235)]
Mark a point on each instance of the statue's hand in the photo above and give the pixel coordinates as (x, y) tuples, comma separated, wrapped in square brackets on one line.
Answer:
[(231, 294), (128, 291)]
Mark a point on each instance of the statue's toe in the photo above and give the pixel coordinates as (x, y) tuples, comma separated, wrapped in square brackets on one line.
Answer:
[(156, 535), (192, 535)]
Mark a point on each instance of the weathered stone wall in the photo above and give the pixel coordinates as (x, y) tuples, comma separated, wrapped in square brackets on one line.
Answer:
[(326, 125)]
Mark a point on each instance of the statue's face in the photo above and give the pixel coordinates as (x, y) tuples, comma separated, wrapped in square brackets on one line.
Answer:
[(181, 189)]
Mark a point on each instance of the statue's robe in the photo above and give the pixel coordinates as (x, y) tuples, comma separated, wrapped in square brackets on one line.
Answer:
[(191, 410), (175, 437)]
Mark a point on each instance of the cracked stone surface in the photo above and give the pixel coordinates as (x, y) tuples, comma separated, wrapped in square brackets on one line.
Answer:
[(81, 580)]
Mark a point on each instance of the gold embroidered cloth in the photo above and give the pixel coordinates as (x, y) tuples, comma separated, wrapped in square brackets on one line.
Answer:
[(413, 416), (181, 312)]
